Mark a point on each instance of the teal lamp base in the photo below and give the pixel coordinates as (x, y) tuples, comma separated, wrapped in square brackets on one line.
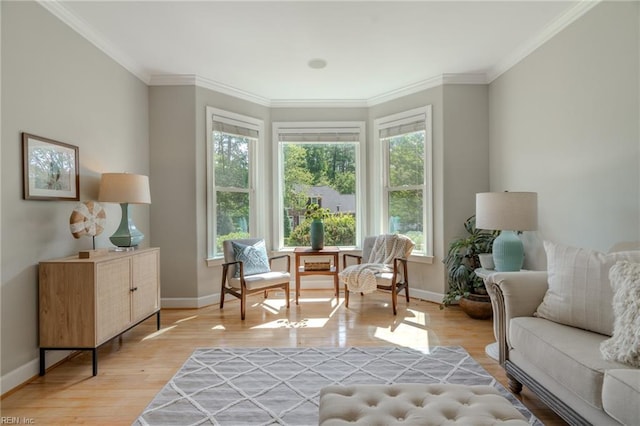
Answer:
[(508, 252), (127, 235)]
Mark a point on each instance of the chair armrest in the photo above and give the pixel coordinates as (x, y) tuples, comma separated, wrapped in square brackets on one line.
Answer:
[(280, 257), (355, 256), (397, 263), (225, 269), (513, 294)]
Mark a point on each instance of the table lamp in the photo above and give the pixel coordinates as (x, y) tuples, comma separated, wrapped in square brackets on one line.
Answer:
[(508, 212), (125, 188)]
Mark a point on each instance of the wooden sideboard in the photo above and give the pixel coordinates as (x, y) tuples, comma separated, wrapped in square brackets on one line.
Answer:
[(84, 303)]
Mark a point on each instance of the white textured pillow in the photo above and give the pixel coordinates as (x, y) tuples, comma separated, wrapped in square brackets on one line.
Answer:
[(579, 293), (624, 346)]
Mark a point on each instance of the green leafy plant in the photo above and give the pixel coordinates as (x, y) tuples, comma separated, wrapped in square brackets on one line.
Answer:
[(462, 260), (314, 211), (339, 230)]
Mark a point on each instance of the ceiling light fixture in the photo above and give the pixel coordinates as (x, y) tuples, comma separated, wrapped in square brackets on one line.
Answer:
[(317, 64)]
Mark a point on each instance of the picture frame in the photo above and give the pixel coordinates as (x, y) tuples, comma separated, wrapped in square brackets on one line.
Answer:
[(50, 169)]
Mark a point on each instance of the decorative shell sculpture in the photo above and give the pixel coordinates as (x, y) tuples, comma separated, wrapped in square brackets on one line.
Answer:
[(88, 218)]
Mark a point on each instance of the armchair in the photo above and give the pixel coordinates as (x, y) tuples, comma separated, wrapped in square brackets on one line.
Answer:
[(247, 270), (386, 263)]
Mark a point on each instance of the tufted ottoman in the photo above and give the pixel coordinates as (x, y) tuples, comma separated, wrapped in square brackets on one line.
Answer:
[(416, 404)]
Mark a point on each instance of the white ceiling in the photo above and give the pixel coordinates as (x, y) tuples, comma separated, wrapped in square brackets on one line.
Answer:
[(375, 50)]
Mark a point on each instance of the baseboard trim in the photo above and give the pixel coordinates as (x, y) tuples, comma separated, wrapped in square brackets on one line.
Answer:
[(29, 371), (212, 299)]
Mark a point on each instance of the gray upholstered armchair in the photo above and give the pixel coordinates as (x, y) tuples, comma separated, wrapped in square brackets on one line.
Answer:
[(247, 270)]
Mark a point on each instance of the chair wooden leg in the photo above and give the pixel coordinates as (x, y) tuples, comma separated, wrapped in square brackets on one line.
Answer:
[(346, 296), (265, 294), (243, 302), (222, 293), (286, 294), (406, 291), (394, 300)]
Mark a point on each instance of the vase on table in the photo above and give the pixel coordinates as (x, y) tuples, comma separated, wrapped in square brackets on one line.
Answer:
[(317, 234)]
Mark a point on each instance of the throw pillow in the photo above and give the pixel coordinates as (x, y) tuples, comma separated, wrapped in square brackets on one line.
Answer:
[(254, 258), (579, 293), (624, 346)]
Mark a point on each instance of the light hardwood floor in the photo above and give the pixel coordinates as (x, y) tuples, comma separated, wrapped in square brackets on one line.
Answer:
[(132, 370)]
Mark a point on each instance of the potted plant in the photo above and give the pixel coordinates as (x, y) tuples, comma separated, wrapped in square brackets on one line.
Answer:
[(461, 262), (316, 214)]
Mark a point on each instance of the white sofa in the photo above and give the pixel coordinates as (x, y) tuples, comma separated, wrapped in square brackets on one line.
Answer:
[(559, 358)]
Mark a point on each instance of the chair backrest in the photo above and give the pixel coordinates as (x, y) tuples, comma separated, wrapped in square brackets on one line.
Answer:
[(367, 246), (230, 256)]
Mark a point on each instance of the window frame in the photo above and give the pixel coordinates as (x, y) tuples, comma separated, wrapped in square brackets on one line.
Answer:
[(319, 127), (381, 157), (256, 186)]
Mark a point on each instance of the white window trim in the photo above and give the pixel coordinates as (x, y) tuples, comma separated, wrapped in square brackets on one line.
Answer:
[(257, 187), (380, 154), (318, 127)]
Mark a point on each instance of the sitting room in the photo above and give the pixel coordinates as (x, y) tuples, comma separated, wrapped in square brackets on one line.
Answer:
[(244, 212)]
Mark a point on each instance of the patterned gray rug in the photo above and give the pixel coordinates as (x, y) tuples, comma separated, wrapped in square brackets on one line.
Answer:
[(280, 386)]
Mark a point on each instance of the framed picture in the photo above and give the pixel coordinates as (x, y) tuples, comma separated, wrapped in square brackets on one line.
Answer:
[(50, 169)]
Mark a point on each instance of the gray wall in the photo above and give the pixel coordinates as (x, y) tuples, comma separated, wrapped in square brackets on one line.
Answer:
[(57, 85), (564, 123)]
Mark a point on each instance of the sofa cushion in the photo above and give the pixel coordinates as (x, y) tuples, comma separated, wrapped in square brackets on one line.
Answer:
[(620, 395), (570, 355), (624, 346), (579, 292)]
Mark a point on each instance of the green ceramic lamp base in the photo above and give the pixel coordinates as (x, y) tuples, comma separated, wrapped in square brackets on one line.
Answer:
[(508, 252), (127, 235)]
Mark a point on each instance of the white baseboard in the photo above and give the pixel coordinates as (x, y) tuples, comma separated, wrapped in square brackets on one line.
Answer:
[(189, 302), (212, 299), (29, 370)]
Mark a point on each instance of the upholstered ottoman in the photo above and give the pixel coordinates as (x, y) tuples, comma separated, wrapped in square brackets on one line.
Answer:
[(416, 404)]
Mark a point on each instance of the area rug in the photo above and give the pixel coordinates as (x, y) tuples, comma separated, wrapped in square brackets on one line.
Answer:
[(281, 386)]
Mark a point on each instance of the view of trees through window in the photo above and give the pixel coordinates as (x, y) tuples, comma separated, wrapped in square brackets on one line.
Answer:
[(405, 186), (323, 174), (232, 186)]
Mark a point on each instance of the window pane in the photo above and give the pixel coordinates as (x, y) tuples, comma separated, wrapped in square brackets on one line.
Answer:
[(406, 215), (406, 159), (323, 174), (232, 216), (231, 160)]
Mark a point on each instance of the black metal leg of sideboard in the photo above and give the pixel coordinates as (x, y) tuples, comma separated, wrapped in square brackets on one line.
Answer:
[(42, 364), (158, 320), (95, 361)]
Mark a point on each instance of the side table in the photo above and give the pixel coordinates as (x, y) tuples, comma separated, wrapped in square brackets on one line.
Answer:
[(492, 349), (308, 252)]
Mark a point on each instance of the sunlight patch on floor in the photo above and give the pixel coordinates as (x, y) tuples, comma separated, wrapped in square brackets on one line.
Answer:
[(285, 323), (411, 332), (158, 333)]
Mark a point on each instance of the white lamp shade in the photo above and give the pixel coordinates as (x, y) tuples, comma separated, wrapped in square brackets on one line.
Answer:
[(124, 188), (511, 211)]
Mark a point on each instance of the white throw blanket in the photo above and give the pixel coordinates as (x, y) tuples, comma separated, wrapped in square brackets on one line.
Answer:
[(362, 278)]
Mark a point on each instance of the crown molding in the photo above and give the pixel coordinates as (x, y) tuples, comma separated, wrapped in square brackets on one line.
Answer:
[(553, 28), (195, 80), (80, 26)]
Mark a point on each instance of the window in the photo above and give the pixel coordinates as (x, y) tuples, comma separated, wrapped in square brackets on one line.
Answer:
[(319, 164), (232, 144), (404, 141)]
